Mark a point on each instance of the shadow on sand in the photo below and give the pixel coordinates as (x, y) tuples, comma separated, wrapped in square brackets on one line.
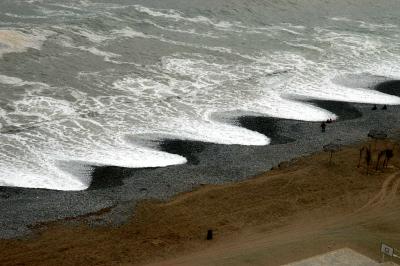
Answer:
[(268, 126), (344, 111), (390, 87)]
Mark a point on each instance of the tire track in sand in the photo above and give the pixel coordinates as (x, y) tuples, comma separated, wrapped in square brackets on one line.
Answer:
[(386, 194)]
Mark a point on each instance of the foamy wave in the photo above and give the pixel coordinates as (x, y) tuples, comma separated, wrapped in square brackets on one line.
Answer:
[(23, 16), (171, 14), (367, 25), (130, 33), (91, 36), (174, 72), (7, 80), (179, 16), (354, 45), (211, 131), (58, 180), (68, 43), (123, 156), (74, 173)]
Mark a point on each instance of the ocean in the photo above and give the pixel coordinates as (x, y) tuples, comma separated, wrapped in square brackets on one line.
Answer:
[(98, 83)]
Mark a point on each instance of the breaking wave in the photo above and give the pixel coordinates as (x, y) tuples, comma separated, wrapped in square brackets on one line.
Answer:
[(84, 84)]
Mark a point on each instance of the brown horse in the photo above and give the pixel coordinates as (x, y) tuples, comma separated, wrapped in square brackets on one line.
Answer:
[(387, 154), (368, 156)]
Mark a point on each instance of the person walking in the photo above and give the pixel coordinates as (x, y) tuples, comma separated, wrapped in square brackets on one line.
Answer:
[(323, 127)]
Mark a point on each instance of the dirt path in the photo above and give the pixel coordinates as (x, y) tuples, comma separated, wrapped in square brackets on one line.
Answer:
[(386, 194)]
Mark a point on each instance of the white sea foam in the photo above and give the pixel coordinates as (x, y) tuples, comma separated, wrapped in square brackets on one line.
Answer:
[(204, 78), (212, 131), (41, 161), (7, 80), (11, 80), (364, 24), (40, 179), (95, 51), (92, 36), (51, 142), (305, 46), (179, 16), (23, 16), (108, 56), (171, 14), (130, 33), (50, 171), (222, 25)]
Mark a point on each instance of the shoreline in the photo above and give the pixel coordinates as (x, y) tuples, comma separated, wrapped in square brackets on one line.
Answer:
[(208, 164), (307, 205), (215, 164)]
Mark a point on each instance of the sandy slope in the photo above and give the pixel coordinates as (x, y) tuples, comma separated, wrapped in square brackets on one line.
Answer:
[(359, 218), (299, 210)]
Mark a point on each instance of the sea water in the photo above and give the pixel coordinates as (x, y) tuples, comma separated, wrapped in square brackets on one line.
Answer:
[(83, 82)]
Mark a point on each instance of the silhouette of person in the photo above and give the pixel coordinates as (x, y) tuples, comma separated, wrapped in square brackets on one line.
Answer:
[(388, 153), (374, 108), (368, 157), (384, 107), (323, 126)]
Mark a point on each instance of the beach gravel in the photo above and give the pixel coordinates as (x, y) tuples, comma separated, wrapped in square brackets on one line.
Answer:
[(122, 188)]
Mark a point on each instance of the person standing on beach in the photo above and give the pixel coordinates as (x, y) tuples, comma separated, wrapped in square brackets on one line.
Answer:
[(323, 126)]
